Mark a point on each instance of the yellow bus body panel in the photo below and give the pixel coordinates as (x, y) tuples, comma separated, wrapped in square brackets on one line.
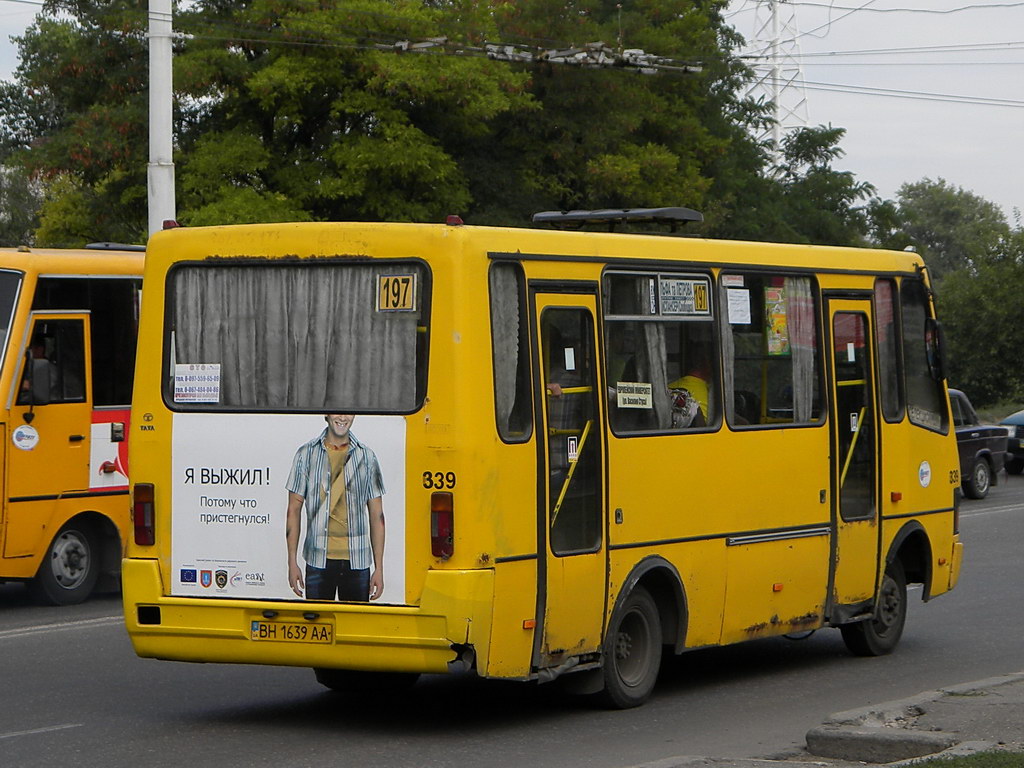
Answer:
[(700, 502)]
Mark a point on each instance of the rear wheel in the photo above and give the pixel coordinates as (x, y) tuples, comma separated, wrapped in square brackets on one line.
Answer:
[(70, 567), (632, 652), (353, 681), (880, 635), (980, 481)]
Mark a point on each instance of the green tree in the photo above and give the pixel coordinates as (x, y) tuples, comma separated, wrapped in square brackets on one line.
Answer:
[(949, 226), (983, 316), (77, 110), (19, 202), (304, 109)]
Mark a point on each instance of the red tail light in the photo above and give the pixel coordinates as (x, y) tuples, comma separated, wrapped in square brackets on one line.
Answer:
[(442, 525), (142, 514)]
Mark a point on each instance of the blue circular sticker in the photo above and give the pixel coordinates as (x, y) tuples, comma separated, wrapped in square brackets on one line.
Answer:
[(25, 437)]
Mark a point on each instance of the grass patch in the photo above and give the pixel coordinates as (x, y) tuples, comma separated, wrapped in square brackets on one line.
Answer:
[(980, 760)]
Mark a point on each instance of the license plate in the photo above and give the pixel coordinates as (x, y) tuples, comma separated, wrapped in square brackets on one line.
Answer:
[(291, 632)]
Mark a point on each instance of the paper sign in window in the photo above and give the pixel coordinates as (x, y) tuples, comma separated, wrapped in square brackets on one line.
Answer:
[(197, 383)]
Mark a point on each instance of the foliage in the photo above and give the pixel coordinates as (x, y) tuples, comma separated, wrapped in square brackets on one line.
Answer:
[(983, 316), (78, 110), (19, 201), (980, 760), (309, 109), (949, 226)]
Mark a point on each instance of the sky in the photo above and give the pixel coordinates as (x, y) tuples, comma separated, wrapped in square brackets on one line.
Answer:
[(953, 78), (924, 88)]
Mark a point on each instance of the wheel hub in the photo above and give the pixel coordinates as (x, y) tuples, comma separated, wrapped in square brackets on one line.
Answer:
[(69, 560)]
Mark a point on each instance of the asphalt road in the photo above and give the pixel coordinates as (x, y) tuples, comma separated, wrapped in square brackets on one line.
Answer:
[(73, 691)]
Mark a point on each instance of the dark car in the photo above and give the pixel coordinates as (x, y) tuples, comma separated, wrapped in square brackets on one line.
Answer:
[(982, 447), (1015, 448)]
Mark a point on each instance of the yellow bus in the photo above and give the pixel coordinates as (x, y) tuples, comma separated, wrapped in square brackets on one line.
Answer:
[(68, 327), (380, 450)]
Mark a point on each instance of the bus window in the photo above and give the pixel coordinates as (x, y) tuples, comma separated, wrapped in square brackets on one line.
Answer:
[(890, 384), (770, 350), (113, 306), (511, 353), (925, 400), (659, 352), (62, 343), (337, 337), (10, 284)]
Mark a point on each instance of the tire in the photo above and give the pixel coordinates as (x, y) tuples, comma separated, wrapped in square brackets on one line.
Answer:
[(879, 635), (980, 481), (1015, 466), (632, 652), (70, 567), (371, 683)]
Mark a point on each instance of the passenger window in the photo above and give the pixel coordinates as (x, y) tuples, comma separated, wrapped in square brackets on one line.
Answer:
[(925, 401), (511, 353), (890, 382), (660, 352), (770, 351)]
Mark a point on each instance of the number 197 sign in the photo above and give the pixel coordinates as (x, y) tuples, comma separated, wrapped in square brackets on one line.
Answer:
[(396, 293)]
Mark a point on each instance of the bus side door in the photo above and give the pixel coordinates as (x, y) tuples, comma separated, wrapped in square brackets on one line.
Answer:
[(573, 565), (855, 507), (50, 455)]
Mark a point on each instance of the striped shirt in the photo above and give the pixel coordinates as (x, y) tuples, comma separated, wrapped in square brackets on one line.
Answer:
[(310, 478)]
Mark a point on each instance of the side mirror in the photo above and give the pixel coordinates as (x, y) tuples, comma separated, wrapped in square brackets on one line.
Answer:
[(935, 348), (40, 383)]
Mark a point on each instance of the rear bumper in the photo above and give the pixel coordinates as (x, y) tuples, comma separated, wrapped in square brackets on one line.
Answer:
[(454, 610)]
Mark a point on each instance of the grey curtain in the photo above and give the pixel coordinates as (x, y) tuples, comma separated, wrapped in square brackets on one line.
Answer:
[(800, 314), (505, 314), (298, 337)]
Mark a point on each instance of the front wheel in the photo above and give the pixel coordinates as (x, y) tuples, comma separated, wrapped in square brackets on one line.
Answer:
[(632, 652), (70, 567), (879, 635), (980, 481)]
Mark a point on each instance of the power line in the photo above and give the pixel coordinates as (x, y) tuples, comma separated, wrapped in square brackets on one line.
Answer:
[(864, 90), (937, 11)]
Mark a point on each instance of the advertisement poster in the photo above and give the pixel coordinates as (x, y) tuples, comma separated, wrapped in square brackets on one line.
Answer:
[(230, 502), (778, 321)]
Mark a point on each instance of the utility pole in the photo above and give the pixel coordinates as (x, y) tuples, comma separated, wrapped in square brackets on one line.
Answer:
[(160, 171)]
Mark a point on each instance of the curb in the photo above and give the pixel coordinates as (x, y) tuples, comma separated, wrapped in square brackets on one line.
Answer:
[(883, 733)]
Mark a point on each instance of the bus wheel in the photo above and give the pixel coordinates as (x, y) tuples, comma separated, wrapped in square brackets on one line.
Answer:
[(632, 652), (371, 683), (70, 567), (980, 481), (879, 635)]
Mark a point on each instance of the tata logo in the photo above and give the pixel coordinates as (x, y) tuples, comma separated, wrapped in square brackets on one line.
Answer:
[(221, 577), (206, 578)]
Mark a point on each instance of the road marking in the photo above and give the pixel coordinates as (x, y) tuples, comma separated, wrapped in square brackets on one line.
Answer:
[(103, 621), (990, 510), (34, 731)]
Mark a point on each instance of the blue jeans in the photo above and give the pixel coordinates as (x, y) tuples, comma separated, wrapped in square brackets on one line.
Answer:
[(337, 579)]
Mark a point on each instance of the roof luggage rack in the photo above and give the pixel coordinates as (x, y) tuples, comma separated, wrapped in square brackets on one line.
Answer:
[(673, 217)]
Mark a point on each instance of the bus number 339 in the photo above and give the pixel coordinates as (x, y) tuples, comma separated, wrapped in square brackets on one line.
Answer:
[(439, 480)]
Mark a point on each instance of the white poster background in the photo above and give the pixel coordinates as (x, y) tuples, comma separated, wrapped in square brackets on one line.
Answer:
[(230, 501)]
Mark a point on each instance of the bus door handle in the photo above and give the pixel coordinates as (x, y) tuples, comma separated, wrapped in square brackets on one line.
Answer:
[(76, 438)]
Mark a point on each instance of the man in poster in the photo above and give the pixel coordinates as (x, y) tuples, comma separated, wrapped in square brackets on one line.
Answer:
[(337, 480)]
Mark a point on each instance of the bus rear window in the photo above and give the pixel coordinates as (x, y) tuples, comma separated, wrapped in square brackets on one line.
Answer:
[(321, 337)]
